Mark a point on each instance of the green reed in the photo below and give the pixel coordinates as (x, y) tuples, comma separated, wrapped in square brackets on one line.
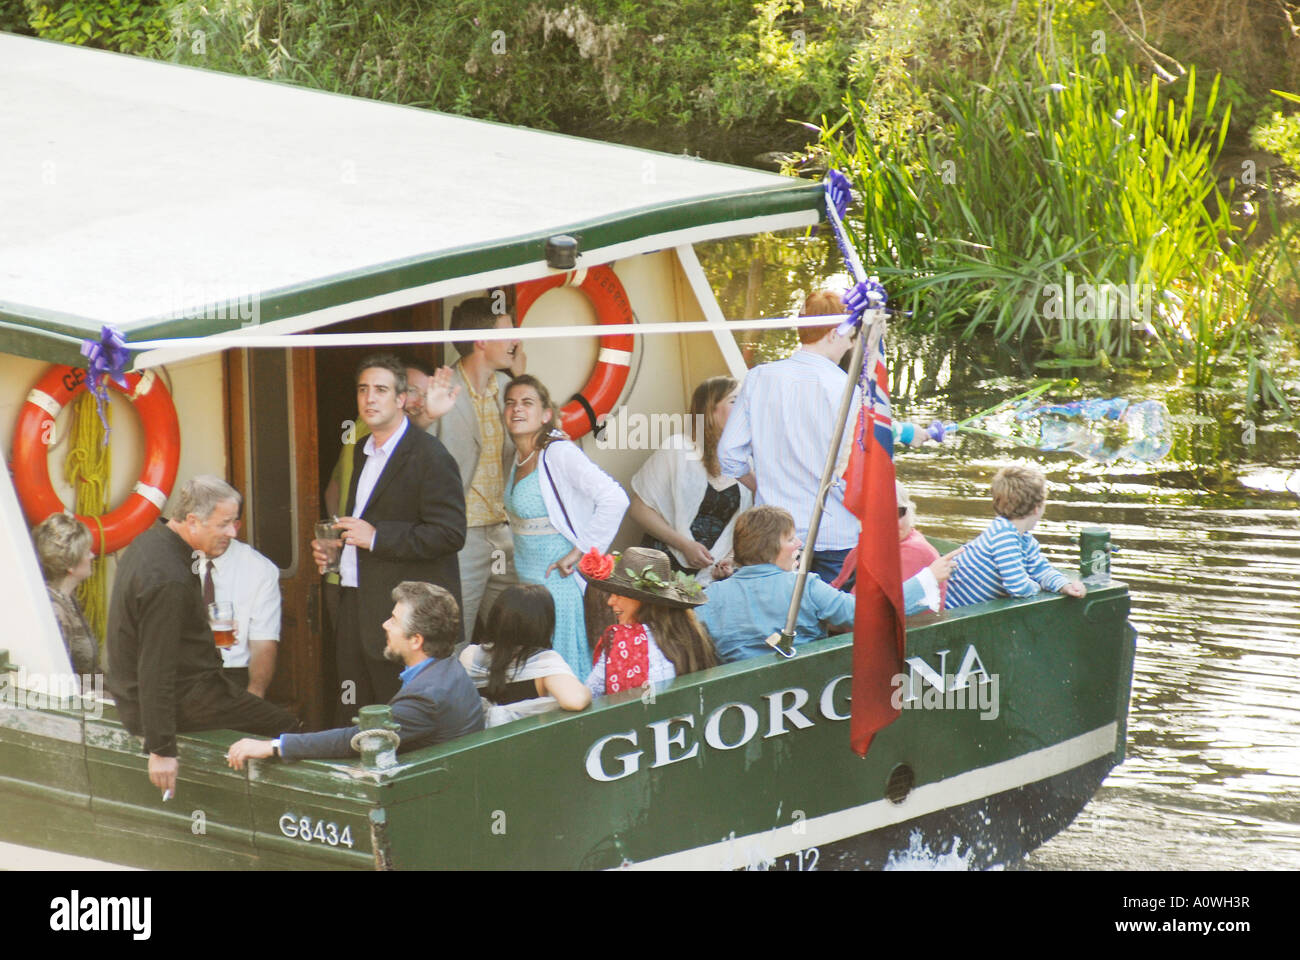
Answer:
[(1079, 175)]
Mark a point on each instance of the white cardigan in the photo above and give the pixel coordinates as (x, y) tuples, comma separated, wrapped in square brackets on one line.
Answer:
[(673, 482), (593, 500)]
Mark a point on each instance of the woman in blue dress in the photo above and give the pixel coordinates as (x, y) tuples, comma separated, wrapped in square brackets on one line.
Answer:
[(560, 506)]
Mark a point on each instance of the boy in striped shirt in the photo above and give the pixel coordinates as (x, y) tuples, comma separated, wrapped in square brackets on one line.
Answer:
[(1004, 560)]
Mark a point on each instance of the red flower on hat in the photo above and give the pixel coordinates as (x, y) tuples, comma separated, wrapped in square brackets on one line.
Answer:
[(595, 565)]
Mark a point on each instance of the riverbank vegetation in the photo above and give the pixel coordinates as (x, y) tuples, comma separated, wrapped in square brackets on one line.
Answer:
[(1044, 172), (1111, 180)]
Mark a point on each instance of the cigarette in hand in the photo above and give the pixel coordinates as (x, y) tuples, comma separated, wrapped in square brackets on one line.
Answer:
[(168, 794)]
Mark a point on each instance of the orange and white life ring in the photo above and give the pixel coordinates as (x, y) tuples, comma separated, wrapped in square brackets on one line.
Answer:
[(162, 454), (605, 386)]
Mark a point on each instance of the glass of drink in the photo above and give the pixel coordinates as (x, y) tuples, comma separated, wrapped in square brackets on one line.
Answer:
[(221, 618), (330, 539)]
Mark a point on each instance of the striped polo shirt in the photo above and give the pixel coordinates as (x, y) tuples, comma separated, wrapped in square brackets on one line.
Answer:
[(1001, 562)]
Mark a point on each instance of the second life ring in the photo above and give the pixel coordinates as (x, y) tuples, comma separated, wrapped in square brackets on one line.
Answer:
[(605, 386), (162, 454)]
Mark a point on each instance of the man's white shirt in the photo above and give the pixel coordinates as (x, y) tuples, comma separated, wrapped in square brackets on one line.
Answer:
[(251, 582), (376, 460)]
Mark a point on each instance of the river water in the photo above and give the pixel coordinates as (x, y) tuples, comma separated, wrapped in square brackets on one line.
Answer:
[(1209, 545)]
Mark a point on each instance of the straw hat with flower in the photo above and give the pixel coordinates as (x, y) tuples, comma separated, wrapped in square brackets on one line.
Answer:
[(642, 574)]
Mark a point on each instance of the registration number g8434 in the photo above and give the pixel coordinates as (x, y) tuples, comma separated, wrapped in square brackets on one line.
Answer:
[(315, 831)]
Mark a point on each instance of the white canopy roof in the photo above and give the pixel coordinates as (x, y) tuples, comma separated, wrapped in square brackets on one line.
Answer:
[(138, 193)]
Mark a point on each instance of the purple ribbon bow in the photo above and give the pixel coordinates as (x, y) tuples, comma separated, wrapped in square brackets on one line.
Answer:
[(108, 359), (858, 299), (838, 193)]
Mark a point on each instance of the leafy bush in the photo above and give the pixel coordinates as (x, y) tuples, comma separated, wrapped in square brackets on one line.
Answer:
[(544, 63), (13, 17), (127, 26), (1279, 133)]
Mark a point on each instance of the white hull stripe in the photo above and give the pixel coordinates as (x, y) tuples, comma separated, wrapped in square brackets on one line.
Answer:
[(736, 852), (16, 857), (619, 358), (45, 402), (152, 494)]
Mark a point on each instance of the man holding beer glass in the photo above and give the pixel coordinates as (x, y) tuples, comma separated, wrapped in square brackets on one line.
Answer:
[(405, 520), (242, 590), (164, 668)]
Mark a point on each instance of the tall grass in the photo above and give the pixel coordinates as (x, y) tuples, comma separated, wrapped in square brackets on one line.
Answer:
[(1079, 174)]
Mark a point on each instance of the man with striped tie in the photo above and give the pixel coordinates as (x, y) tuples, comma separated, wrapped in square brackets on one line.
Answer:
[(164, 670), (784, 420)]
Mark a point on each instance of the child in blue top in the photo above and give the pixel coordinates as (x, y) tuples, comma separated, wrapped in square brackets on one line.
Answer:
[(745, 609), (1004, 560)]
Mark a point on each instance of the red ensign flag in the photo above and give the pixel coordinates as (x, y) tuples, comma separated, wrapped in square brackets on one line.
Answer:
[(878, 631)]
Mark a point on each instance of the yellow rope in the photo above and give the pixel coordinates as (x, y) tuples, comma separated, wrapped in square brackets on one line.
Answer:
[(88, 468)]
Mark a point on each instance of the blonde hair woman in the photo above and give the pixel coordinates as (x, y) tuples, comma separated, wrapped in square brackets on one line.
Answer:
[(63, 545)]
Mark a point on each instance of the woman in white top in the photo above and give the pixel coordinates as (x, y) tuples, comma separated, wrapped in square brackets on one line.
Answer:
[(515, 669), (560, 505), (679, 496), (657, 636)]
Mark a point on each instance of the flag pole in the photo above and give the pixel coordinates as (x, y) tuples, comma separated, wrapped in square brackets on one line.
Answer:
[(783, 642)]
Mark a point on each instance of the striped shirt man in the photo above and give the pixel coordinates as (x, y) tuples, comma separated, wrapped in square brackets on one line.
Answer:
[(783, 419), (1001, 562)]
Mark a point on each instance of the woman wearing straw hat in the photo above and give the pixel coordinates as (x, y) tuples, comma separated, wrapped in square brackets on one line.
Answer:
[(657, 636)]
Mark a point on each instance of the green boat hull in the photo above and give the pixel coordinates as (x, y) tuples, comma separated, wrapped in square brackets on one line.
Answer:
[(744, 765)]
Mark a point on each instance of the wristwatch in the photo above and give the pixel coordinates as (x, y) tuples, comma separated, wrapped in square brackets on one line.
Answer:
[(275, 747)]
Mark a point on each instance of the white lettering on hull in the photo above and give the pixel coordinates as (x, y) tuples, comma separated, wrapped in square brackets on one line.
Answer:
[(674, 739)]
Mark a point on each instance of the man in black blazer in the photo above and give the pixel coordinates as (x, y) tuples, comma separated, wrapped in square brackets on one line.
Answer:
[(436, 703), (405, 521)]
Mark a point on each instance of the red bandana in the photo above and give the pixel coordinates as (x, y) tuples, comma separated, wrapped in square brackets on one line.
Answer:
[(627, 656)]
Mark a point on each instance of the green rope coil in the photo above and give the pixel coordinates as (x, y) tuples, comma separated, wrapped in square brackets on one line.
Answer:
[(89, 469)]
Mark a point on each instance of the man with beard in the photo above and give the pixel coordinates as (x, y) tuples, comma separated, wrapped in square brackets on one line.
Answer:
[(437, 700)]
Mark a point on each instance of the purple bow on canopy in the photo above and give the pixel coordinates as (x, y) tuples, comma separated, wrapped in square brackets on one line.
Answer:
[(858, 299), (108, 358), (838, 192)]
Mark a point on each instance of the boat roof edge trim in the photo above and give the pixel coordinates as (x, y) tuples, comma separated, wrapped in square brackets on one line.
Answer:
[(341, 312)]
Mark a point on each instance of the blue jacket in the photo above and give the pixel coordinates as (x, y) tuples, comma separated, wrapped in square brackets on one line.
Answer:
[(438, 704), (748, 607)]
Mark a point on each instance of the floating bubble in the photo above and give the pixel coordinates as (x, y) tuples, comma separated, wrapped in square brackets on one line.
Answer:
[(1100, 430)]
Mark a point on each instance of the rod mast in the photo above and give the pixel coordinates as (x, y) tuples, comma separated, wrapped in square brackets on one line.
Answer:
[(783, 642)]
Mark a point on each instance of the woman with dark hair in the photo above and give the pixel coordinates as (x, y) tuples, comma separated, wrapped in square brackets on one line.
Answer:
[(657, 636), (63, 545), (560, 505), (515, 669), (680, 498)]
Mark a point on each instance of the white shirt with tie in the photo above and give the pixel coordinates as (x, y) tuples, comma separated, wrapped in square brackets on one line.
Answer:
[(251, 582), (376, 459)]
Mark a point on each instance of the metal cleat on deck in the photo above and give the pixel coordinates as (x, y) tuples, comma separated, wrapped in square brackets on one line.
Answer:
[(377, 740)]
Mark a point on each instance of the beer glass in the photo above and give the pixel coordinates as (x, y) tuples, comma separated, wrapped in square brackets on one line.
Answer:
[(221, 618), (331, 541)]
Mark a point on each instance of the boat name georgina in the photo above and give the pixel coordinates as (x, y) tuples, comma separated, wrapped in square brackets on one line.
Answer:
[(676, 738)]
